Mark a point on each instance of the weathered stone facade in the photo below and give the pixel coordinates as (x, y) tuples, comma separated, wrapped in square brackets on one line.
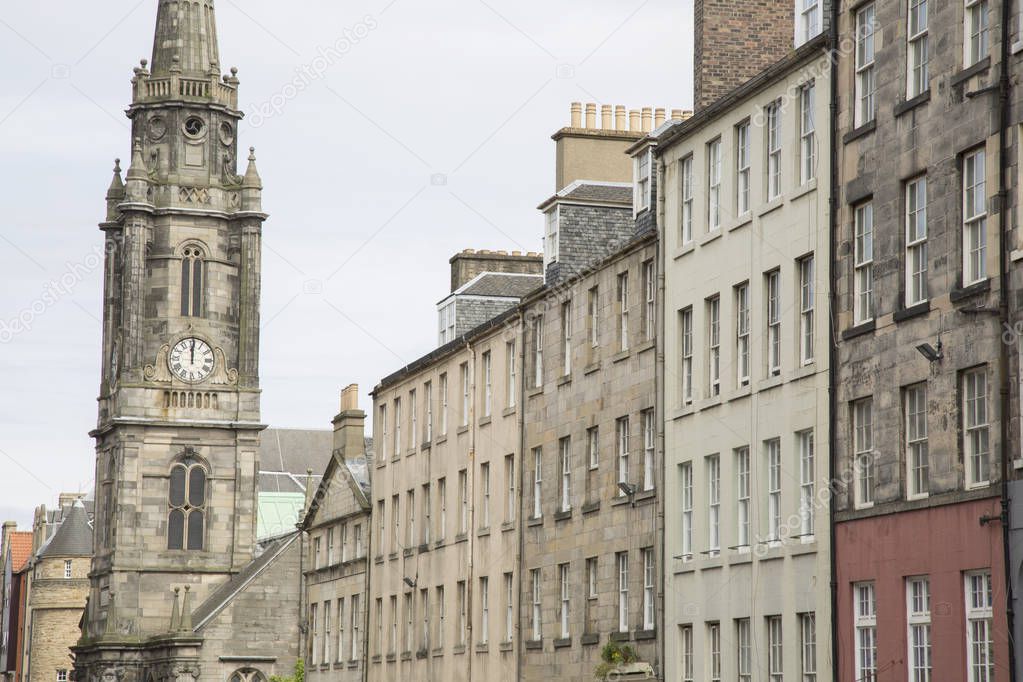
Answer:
[(746, 378)]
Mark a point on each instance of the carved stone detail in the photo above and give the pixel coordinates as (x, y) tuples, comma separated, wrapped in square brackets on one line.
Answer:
[(222, 374), (159, 372), (194, 195)]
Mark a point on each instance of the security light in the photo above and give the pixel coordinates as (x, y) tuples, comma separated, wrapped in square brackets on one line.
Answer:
[(410, 582), (627, 489), (929, 352)]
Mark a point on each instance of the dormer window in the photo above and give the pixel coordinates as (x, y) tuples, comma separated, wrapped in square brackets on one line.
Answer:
[(550, 239), (641, 201), (808, 22), (446, 316)]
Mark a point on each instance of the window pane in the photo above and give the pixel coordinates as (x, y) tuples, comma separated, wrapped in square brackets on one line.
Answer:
[(177, 486), (195, 529), (175, 529), (196, 487)]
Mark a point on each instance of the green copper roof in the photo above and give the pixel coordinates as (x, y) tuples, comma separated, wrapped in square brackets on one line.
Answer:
[(277, 513)]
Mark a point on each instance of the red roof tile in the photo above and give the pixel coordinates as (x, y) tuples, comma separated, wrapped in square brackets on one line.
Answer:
[(21, 549)]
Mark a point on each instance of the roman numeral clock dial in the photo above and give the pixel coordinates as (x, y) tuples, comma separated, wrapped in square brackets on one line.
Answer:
[(191, 360)]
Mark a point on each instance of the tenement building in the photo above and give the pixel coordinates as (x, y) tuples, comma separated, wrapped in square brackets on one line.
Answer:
[(590, 496), (920, 432), (745, 252), (178, 590), (334, 571), (443, 592)]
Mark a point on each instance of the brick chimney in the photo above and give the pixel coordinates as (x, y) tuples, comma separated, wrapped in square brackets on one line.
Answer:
[(735, 41), (350, 426), (469, 263)]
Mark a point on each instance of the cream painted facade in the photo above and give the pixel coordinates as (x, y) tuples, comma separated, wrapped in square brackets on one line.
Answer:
[(443, 588), (746, 351)]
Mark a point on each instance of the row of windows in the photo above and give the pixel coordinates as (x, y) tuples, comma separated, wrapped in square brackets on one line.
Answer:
[(975, 41), (744, 650), (334, 631), (347, 549), (772, 309), (979, 642), (973, 230), (740, 204), (974, 417), (591, 578), (775, 527)]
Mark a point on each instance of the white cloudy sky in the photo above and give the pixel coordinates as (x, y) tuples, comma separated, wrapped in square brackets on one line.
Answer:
[(468, 89)]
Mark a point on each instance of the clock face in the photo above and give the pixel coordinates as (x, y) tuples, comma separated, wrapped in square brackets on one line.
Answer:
[(191, 360)]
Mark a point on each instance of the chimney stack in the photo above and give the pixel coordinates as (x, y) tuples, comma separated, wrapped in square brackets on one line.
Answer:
[(350, 426), (735, 41)]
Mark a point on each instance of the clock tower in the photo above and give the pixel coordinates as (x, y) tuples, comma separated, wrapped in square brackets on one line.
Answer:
[(179, 418)]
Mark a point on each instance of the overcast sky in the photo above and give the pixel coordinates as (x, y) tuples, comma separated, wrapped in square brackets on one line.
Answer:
[(430, 134)]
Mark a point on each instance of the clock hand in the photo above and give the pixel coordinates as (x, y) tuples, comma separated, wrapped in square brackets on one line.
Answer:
[(193, 351)]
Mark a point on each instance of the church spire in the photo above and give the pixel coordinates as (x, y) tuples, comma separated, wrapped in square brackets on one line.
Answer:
[(186, 39)]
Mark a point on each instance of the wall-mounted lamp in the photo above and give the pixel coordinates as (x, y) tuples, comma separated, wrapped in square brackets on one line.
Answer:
[(930, 352)]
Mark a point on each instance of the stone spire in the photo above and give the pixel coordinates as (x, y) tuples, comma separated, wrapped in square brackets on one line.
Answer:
[(186, 39)]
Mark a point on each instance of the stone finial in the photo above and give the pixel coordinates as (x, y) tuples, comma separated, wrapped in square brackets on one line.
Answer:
[(175, 622), (252, 179), (137, 170), (116, 189), (186, 611)]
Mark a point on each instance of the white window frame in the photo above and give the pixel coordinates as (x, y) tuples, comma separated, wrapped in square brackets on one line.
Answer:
[(773, 113), (974, 217), (428, 396), (772, 450), (863, 452), (687, 356), (916, 241), (976, 32), (807, 484), (976, 427), (686, 476), (742, 495), (536, 624), (742, 334), (742, 168), (461, 612), (484, 637), (442, 506), (463, 502), (807, 294), (866, 71), (565, 458), (649, 449), (397, 427), (917, 49), (714, 651), (649, 596), (509, 606), (511, 367), (686, 171), (537, 483), (714, 185), (623, 311), (809, 20), (775, 650), (594, 313), (714, 345), (743, 650), (444, 404), (917, 455), (980, 659), (713, 504), (918, 628), (538, 351), (807, 134), (622, 562), (863, 263), (466, 393), (622, 429), (68, 572), (644, 186), (485, 494), (808, 646), (566, 338), (650, 310), (551, 240), (564, 592), (593, 445), (773, 318), (686, 648), (510, 499), (488, 384), (865, 631)]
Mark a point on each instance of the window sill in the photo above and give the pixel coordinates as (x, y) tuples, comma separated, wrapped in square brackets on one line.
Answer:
[(770, 382), (426, 445), (684, 411), (392, 556), (970, 71), (862, 131), (507, 526), (535, 391), (563, 515), (742, 221), (565, 380), (534, 645), (352, 665), (961, 294), (804, 189), (621, 637), (406, 655), (645, 495), (563, 643), (921, 308), (590, 507), (375, 659), (382, 463), (504, 646), (460, 649), (641, 635), (710, 236), (645, 346), (440, 543), (440, 440), (509, 411), (486, 421), (770, 206), (535, 521), (391, 658), (706, 403), (483, 532), (407, 552), (461, 537), (379, 559), (439, 651), (590, 369), (462, 430), (421, 654), (859, 330), (423, 548), (1017, 47), (483, 648), (619, 357), (684, 250), (910, 104), (410, 452), (740, 392), (590, 638)]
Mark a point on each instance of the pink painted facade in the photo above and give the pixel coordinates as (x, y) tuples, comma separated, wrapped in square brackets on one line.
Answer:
[(944, 543)]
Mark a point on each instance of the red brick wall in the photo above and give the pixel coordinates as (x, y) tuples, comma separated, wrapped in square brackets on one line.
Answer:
[(735, 41)]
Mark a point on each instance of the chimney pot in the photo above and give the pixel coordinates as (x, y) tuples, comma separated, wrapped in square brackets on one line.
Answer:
[(577, 115), (647, 119), (350, 398), (620, 118), (591, 116), (605, 117), (658, 117), (676, 114), (634, 120)]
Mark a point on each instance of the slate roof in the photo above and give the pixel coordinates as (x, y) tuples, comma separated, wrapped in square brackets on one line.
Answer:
[(293, 451), (222, 596), (604, 193), (500, 284), (21, 548), (73, 538)]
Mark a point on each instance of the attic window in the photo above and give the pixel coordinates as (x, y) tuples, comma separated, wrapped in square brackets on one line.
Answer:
[(551, 239), (642, 199), (447, 323)]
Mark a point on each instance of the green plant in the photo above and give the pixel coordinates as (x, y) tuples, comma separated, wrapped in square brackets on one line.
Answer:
[(613, 656), (298, 676)]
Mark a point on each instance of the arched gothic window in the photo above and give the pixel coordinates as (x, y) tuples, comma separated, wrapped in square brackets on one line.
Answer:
[(186, 520), (192, 274), (247, 675)]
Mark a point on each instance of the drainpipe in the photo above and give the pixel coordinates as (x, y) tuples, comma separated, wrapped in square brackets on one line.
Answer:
[(1004, 112), (369, 573), (520, 517), (833, 206), (661, 543)]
